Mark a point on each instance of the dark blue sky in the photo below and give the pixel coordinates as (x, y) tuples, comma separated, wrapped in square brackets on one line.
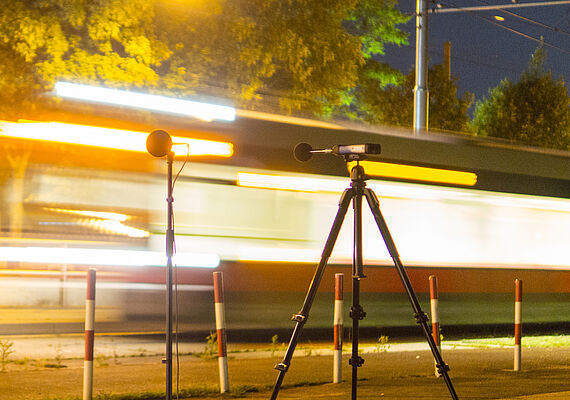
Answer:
[(483, 53)]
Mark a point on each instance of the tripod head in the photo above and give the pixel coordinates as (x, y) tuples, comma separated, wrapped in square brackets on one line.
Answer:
[(357, 174)]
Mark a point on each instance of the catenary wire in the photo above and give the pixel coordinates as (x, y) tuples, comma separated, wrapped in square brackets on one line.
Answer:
[(522, 34), (529, 20)]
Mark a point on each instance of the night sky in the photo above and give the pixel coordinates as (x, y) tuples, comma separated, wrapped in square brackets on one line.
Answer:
[(483, 53)]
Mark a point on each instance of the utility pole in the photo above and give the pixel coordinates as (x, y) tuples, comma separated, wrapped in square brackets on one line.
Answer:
[(447, 59), (421, 93)]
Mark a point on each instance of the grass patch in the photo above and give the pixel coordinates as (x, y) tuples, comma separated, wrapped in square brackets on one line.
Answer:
[(302, 384), (185, 393), (196, 392), (54, 366), (527, 341)]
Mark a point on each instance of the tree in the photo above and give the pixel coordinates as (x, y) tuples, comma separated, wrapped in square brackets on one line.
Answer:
[(534, 111), (394, 105), (307, 54), (97, 41)]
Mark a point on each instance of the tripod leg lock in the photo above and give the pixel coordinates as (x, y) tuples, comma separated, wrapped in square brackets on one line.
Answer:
[(358, 361), (281, 367), (442, 368), (357, 312), (299, 318), (421, 317)]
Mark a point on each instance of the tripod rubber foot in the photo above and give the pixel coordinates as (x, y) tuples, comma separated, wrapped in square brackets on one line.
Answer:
[(281, 367)]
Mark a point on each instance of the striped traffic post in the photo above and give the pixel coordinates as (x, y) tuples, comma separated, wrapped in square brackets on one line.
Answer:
[(338, 327), (89, 336), (434, 304), (518, 324), (221, 332)]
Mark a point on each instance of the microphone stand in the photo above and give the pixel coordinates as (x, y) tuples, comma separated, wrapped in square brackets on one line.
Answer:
[(159, 144), (169, 254)]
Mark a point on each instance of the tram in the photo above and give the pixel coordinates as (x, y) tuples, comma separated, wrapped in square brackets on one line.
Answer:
[(475, 212)]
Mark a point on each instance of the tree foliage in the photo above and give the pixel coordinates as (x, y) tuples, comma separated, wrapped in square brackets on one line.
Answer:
[(394, 105), (534, 111), (306, 54), (90, 41)]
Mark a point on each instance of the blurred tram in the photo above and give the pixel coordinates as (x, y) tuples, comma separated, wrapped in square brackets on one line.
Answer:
[(474, 212)]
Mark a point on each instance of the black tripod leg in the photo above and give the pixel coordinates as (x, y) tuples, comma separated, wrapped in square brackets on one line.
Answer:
[(421, 317), (356, 311), (303, 315)]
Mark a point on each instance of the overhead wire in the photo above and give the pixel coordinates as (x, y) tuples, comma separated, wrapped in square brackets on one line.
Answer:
[(541, 41), (465, 59), (564, 18), (529, 20)]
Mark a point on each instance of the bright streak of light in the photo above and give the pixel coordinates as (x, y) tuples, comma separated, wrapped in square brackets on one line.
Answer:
[(285, 182), (95, 214), (133, 258), (411, 172), (284, 254), (107, 222), (206, 112), (399, 190), (337, 185), (114, 227), (118, 139)]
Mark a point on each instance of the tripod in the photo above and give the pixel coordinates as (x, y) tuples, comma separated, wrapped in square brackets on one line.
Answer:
[(355, 193)]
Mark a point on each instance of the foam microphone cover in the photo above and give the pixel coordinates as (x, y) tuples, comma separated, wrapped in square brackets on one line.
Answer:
[(303, 152), (159, 143)]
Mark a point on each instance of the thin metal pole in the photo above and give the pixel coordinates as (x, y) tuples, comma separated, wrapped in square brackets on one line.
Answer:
[(89, 335), (434, 305), (338, 326), (169, 254), (421, 93), (220, 312), (518, 324)]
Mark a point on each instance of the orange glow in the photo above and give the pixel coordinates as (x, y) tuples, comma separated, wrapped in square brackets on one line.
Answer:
[(411, 172), (118, 139)]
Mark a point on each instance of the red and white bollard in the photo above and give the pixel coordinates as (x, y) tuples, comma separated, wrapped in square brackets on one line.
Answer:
[(434, 304), (518, 324), (89, 336), (338, 327), (221, 332)]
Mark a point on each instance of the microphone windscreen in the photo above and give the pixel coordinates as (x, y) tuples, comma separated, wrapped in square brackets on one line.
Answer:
[(159, 143), (303, 152)]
